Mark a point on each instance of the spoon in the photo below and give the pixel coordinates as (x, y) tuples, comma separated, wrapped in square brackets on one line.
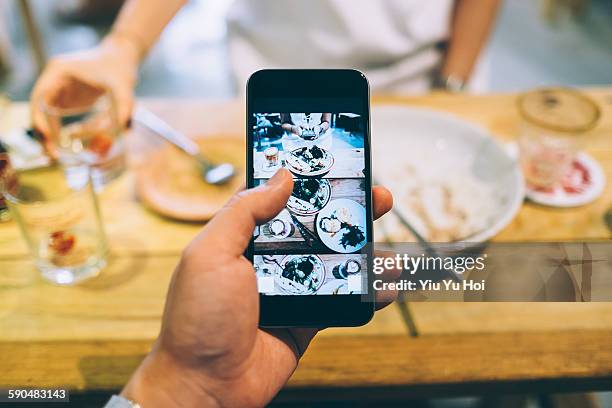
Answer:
[(211, 172)]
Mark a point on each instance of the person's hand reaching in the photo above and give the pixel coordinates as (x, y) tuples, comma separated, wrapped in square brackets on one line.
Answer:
[(69, 80), (210, 351), (296, 130)]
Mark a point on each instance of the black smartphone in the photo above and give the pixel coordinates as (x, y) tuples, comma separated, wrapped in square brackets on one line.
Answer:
[(313, 260)]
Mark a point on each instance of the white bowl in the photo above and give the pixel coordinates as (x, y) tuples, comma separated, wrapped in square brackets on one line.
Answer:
[(414, 149)]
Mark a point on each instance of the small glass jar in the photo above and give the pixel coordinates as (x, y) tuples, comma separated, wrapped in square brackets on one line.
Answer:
[(554, 127)]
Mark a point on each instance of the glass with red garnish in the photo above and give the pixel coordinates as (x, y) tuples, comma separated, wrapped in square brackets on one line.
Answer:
[(554, 126), (60, 220), (83, 127)]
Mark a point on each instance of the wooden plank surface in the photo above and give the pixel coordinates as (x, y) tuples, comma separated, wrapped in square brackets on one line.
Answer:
[(132, 228), (455, 359), (91, 336), (452, 364), (124, 303), (433, 318)]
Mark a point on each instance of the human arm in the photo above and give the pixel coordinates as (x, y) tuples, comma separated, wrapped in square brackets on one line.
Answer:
[(113, 64), (325, 122), (288, 126), (471, 25)]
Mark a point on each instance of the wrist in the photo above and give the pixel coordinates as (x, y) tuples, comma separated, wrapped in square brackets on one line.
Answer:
[(126, 45), (451, 83), (159, 381)]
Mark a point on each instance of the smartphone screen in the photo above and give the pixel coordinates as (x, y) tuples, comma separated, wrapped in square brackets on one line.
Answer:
[(312, 260)]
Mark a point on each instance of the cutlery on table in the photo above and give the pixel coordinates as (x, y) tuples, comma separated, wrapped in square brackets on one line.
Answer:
[(212, 173), (309, 236)]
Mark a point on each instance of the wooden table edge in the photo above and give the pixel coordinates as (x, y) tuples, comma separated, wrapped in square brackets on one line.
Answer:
[(391, 365)]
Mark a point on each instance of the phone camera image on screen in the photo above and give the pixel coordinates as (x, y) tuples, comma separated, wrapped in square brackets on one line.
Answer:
[(316, 244)]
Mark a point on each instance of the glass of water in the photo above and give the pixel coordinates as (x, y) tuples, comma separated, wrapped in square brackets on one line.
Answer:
[(58, 213), (84, 128)]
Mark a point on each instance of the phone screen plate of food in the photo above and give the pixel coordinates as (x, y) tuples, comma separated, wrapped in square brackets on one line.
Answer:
[(313, 260)]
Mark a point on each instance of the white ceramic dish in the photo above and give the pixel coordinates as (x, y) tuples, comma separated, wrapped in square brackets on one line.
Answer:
[(356, 214), (433, 161)]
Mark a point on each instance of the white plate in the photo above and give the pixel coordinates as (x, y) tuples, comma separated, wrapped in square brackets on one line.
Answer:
[(357, 217), (428, 157)]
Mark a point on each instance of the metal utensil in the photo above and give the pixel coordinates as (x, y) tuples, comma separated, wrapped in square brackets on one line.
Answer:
[(267, 259), (211, 173), (308, 236)]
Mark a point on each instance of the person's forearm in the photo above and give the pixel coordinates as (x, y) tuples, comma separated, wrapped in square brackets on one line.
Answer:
[(471, 25), (142, 21)]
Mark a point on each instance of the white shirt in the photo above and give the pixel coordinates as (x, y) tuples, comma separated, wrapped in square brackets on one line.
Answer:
[(394, 42)]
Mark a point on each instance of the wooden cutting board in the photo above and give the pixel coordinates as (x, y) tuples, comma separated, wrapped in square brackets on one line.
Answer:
[(169, 181)]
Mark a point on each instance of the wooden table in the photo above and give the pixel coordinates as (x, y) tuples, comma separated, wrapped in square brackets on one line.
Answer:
[(92, 336)]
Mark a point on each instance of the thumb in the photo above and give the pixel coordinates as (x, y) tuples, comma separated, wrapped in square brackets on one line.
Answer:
[(231, 229)]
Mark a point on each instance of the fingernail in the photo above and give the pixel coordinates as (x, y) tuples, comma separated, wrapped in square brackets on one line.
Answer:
[(277, 178)]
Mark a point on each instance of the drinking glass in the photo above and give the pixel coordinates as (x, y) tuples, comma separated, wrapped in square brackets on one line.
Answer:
[(6, 174), (60, 220), (84, 128), (4, 158), (271, 154), (554, 125)]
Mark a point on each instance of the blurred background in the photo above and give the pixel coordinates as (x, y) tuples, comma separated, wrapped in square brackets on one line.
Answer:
[(191, 60)]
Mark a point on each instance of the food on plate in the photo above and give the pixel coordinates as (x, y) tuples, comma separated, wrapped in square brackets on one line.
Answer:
[(309, 160), (343, 215), (438, 209), (301, 274), (341, 225), (353, 236), (443, 206), (308, 190), (330, 225), (309, 196)]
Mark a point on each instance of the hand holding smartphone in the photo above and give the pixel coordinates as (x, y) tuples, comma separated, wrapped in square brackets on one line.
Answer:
[(313, 260)]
